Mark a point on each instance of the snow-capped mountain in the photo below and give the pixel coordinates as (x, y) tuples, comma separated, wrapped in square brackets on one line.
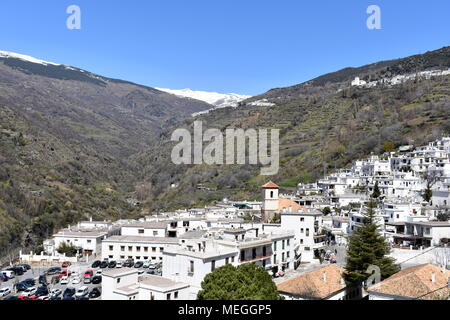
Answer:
[(219, 100), (6, 54)]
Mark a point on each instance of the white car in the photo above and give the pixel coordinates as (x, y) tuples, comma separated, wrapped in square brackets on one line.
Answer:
[(76, 280), (55, 292), (99, 272), (44, 298), (4, 292), (29, 292), (118, 265), (146, 264), (75, 274), (64, 280), (82, 292)]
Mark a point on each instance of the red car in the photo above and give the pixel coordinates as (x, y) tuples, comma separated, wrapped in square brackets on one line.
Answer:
[(66, 264), (65, 273), (24, 298), (89, 273)]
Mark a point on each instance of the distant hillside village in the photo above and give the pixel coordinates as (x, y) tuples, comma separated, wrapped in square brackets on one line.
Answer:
[(286, 234)]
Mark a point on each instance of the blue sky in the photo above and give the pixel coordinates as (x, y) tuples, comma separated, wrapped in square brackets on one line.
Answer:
[(245, 46)]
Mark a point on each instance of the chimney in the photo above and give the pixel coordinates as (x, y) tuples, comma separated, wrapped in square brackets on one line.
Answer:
[(433, 277), (324, 276)]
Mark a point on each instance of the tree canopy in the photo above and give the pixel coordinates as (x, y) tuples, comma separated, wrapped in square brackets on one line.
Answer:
[(367, 248), (245, 282)]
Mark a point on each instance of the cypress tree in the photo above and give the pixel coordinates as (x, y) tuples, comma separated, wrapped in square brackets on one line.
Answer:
[(376, 191), (368, 247)]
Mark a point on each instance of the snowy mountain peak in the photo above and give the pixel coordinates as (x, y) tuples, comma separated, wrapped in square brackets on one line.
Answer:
[(219, 100), (6, 54)]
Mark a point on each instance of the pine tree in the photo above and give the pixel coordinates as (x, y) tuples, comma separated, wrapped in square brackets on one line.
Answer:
[(368, 247), (376, 191)]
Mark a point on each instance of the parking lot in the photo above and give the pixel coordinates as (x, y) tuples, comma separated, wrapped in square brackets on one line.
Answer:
[(76, 269), (37, 271)]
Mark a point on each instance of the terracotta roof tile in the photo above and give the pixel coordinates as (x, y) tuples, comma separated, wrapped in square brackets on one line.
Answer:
[(270, 185), (416, 282), (319, 283)]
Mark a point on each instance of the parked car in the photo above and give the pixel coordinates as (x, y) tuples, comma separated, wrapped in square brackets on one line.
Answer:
[(138, 264), (18, 271), (42, 291), (29, 281), (95, 293), (55, 280), (87, 280), (11, 298), (104, 264), (141, 272), (99, 272), (82, 298), (65, 273), (54, 270), (9, 274), (44, 298), (21, 286), (146, 264), (55, 292), (112, 264), (3, 277), (4, 292), (68, 298), (64, 280), (69, 292), (42, 279), (96, 264), (151, 271), (76, 280), (129, 263), (88, 273), (66, 264), (119, 264), (55, 298), (26, 298), (29, 291), (82, 292), (26, 266), (97, 280)]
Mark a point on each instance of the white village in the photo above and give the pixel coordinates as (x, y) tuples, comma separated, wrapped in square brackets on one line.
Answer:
[(300, 239)]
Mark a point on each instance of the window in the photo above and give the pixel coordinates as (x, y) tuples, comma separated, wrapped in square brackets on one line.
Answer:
[(242, 255), (283, 244), (138, 249), (153, 249), (254, 253), (288, 242), (122, 257), (168, 296), (118, 280), (145, 249), (271, 194), (282, 257), (130, 248), (307, 232), (138, 258), (264, 251), (302, 219), (89, 241), (213, 265), (227, 260), (274, 246), (161, 249), (191, 266), (301, 241), (175, 295), (141, 231), (232, 259), (155, 233), (302, 230), (111, 248), (122, 248), (275, 261)]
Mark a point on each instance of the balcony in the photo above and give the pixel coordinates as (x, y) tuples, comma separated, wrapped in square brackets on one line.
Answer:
[(255, 259)]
